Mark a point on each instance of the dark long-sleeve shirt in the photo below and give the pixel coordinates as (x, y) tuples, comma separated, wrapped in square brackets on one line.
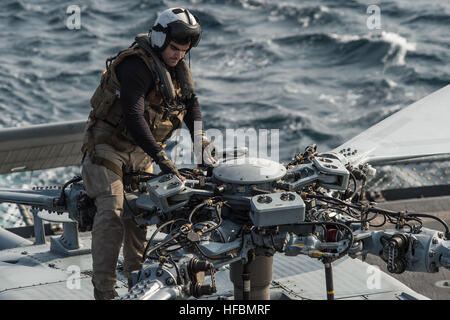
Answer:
[(136, 81)]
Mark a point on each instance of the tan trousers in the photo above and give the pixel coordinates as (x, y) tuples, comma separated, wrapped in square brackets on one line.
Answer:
[(112, 225)]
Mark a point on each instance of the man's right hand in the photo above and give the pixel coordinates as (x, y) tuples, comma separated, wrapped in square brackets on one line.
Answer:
[(166, 165)]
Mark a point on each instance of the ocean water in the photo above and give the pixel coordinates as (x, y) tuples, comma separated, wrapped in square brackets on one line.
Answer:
[(315, 70)]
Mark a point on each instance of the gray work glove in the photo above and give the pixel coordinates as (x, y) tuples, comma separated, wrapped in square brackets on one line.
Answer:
[(166, 165)]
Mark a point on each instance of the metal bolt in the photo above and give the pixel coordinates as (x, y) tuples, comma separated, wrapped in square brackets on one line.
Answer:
[(169, 281), (440, 235), (435, 241), (159, 273)]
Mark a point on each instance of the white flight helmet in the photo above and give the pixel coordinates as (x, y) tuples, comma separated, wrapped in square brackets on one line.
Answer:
[(175, 24)]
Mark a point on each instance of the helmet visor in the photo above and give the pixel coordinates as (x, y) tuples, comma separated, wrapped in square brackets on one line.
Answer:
[(183, 33)]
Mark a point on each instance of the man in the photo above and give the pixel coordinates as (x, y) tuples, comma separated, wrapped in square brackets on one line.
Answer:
[(145, 94)]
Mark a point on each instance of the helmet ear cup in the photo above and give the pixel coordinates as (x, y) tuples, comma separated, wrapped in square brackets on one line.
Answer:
[(158, 39)]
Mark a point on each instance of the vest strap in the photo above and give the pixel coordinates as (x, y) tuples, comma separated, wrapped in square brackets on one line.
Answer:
[(108, 164)]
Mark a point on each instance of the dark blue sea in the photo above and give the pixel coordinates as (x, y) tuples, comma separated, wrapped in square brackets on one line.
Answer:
[(319, 71)]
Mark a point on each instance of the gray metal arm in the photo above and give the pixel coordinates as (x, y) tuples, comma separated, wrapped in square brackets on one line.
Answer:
[(422, 252)]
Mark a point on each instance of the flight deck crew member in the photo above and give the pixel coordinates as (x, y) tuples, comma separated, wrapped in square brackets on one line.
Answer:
[(145, 94)]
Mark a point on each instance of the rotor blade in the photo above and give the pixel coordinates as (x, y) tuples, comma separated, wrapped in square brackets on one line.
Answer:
[(420, 130), (41, 146)]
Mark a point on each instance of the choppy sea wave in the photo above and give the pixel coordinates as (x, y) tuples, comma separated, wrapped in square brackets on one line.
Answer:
[(312, 69)]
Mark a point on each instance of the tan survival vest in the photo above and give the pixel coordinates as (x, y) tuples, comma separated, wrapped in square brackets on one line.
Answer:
[(164, 105)]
